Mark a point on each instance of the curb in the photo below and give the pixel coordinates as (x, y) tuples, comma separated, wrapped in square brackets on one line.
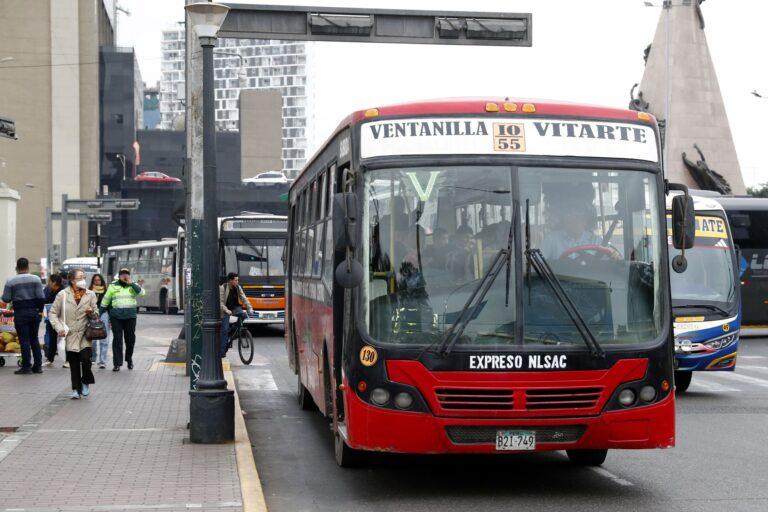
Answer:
[(250, 483)]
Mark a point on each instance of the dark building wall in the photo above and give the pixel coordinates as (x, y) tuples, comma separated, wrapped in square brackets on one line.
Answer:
[(117, 123), (164, 151)]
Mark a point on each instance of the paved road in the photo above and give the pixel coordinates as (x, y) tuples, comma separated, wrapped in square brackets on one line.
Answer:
[(720, 462)]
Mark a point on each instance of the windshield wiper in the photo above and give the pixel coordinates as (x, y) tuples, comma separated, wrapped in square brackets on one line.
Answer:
[(473, 304), (703, 306), (536, 259), (503, 258)]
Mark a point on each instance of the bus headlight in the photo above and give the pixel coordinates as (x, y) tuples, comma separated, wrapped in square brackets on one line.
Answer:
[(722, 341), (403, 400), (647, 393), (380, 396), (627, 397)]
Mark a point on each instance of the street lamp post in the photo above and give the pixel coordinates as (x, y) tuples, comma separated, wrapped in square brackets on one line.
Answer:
[(121, 158), (212, 405)]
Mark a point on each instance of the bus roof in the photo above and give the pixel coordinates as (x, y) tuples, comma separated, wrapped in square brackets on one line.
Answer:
[(700, 203), (478, 106), (84, 260), (743, 203), (142, 245)]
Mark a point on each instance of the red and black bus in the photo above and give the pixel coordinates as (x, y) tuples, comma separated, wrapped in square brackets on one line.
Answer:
[(486, 276)]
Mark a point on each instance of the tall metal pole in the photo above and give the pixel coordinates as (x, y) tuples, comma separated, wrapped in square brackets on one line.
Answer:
[(212, 406), (193, 224), (49, 238), (667, 6), (64, 228)]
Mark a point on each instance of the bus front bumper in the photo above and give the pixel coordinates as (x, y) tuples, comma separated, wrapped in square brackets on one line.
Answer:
[(266, 317), (387, 430)]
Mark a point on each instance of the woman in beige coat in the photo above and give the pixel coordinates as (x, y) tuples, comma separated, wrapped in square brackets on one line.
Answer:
[(69, 317)]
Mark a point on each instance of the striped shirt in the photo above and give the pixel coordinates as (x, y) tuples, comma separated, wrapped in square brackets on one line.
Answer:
[(25, 291)]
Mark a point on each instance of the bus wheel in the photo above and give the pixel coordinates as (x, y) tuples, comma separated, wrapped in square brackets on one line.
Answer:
[(682, 381), (305, 398), (587, 457), (346, 457)]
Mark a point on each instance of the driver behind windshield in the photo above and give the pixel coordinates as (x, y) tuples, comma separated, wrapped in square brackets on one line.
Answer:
[(572, 220)]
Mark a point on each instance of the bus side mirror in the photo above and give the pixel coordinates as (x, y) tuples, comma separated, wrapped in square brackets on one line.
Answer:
[(349, 273), (683, 222), (344, 220)]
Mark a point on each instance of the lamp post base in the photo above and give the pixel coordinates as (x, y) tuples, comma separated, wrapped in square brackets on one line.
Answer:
[(211, 416)]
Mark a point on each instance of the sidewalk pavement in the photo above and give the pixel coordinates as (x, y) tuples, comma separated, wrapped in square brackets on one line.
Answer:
[(125, 447)]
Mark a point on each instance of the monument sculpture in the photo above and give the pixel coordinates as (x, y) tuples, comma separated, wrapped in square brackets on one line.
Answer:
[(680, 88)]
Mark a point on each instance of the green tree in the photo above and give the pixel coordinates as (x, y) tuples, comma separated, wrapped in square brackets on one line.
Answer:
[(758, 191)]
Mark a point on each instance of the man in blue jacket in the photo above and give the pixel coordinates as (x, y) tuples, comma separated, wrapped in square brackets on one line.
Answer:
[(25, 291)]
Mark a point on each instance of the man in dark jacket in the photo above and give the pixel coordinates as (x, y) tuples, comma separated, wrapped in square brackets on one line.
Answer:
[(25, 291), (120, 301)]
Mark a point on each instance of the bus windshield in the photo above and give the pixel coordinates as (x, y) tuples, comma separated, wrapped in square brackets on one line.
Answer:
[(254, 257), (432, 233), (709, 278)]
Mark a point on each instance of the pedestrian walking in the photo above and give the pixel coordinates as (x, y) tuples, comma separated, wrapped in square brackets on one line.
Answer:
[(51, 336), (69, 315), (99, 287), (25, 292), (120, 301)]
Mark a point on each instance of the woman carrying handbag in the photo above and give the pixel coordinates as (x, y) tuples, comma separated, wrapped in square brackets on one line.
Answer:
[(70, 316)]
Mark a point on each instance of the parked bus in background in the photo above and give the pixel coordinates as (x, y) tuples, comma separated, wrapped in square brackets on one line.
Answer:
[(748, 217), (88, 264), (706, 303), (154, 264), (486, 276), (253, 246)]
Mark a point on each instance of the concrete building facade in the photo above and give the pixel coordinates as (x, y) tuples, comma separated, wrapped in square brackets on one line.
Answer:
[(243, 64), (50, 86)]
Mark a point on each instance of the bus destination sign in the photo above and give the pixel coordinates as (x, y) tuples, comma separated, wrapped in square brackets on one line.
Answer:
[(489, 136)]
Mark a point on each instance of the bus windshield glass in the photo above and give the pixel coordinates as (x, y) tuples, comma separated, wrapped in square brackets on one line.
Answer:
[(432, 234), (254, 257), (709, 278)]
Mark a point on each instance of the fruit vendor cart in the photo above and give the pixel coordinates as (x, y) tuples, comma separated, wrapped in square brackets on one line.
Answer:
[(9, 342)]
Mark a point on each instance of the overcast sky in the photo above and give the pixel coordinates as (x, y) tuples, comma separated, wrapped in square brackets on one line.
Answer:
[(583, 50)]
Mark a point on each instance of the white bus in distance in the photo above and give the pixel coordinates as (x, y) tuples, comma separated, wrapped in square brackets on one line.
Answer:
[(154, 263)]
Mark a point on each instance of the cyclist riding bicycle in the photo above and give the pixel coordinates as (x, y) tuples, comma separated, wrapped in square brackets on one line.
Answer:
[(232, 299)]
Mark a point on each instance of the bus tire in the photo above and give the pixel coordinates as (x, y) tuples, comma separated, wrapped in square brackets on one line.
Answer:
[(587, 457), (327, 385), (305, 397), (345, 456), (682, 381)]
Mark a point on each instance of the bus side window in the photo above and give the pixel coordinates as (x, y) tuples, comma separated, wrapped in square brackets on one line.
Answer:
[(331, 181), (314, 209), (323, 196)]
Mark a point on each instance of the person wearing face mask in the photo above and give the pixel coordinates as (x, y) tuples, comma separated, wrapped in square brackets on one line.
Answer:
[(69, 316), (120, 301), (98, 286)]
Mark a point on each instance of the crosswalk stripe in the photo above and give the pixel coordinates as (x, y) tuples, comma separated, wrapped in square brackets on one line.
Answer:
[(712, 386), (753, 367), (742, 378), (259, 379)]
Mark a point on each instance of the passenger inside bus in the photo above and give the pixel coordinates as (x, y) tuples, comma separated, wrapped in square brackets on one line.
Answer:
[(461, 261)]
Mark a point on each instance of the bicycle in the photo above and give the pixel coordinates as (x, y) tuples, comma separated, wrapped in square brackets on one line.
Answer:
[(244, 338)]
